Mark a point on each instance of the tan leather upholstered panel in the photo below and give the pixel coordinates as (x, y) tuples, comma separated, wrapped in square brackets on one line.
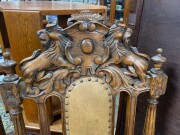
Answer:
[(88, 107)]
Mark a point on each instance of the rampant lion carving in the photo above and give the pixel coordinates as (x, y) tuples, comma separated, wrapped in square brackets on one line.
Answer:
[(136, 63), (34, 67)]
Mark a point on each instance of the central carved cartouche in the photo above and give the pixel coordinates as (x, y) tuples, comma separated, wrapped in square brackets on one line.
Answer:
[(87, 46)]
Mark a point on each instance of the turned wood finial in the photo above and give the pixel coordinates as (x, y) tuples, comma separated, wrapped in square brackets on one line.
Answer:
[(158, 78), (8, 66), (158, 61)]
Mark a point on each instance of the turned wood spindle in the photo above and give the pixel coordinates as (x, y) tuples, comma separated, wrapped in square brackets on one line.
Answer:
[(157, 88), (14, 103)]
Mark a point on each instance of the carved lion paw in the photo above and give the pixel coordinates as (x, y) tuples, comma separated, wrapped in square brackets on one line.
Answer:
[(140, 85)]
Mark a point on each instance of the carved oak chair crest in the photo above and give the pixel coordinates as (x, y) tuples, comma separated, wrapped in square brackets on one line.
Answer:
[(93, 62)]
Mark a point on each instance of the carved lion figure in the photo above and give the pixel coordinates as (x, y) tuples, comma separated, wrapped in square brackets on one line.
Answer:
[(53, 56), (120, 53)]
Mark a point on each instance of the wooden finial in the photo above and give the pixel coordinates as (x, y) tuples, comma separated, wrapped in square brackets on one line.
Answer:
[(9, 68), (158, 61)]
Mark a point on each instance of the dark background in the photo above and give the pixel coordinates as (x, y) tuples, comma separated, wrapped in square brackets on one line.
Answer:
[(160, 27)]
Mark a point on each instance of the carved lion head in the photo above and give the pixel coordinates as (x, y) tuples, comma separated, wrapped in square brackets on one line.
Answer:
[(50, 33)]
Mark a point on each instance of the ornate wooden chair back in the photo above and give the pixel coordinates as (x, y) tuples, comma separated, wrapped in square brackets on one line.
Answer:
[(78, 65)]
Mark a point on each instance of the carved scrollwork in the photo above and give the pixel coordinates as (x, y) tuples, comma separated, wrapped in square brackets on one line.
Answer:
[(115, 77), (85, 48)]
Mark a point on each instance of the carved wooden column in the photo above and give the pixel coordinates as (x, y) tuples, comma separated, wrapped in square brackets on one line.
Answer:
[(158, 83), (43, 118), (14, 104), (10, 85), (149, 127), (130, 116)]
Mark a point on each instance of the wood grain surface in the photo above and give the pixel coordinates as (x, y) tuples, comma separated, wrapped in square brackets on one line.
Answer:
[(160, 27), (55, 7), (22, 33)]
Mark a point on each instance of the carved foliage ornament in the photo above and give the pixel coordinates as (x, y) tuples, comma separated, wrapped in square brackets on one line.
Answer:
[(85, 48)]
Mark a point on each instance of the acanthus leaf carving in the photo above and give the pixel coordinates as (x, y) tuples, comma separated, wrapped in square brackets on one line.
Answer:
[(115, 77), (135, 64)]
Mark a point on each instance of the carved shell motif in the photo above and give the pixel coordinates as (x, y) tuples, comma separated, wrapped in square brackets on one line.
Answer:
[(85, 15)]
